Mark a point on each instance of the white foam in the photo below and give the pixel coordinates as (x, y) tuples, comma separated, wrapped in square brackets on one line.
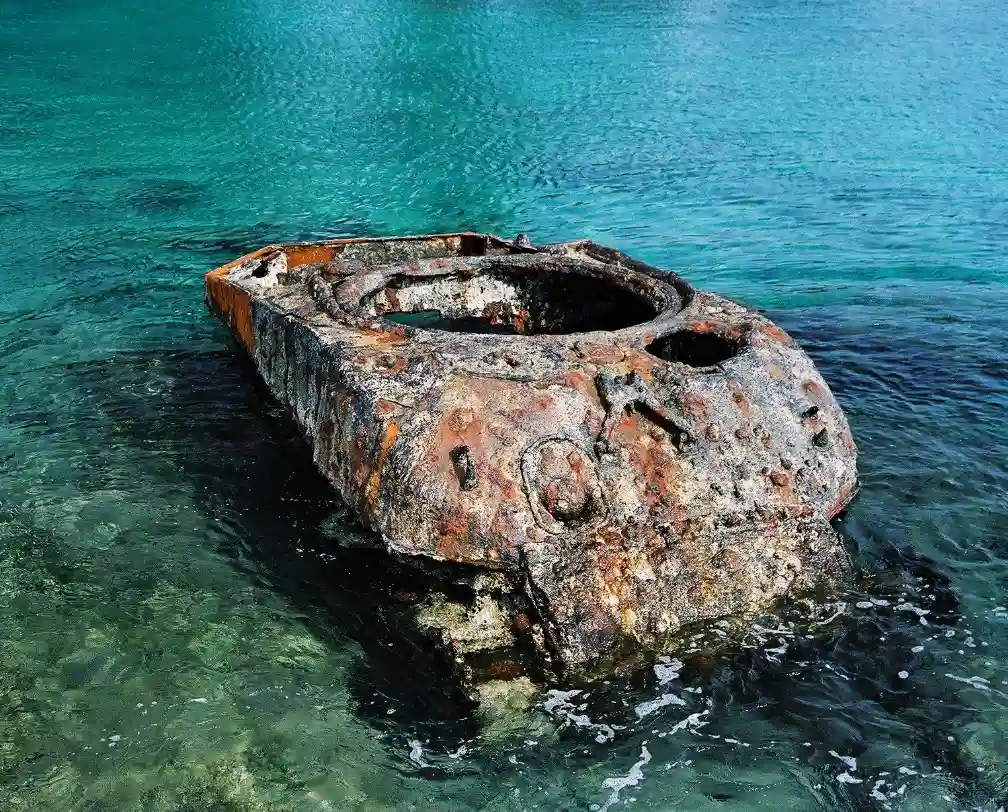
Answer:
[(416, 752), (621, 782), (558, 704), (850, 761), (667, 671), (976, 682), (647, 708)]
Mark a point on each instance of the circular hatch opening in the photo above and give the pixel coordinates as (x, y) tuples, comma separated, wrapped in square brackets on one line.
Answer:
[(556, 298)]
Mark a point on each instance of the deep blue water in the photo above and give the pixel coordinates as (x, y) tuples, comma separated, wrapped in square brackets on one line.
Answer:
[(178, 629)]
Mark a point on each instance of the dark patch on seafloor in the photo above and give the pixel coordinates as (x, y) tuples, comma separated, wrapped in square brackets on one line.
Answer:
[(220, 245), (162, 195)]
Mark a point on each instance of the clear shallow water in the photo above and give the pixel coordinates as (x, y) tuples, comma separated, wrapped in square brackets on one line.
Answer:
[(177, 629)]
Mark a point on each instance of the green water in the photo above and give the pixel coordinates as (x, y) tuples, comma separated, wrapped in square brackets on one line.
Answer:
[(179, 629)]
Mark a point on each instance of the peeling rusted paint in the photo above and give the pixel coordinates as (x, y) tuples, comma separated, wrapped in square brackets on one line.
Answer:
[(374, 484), (232, 304), (773, 332)]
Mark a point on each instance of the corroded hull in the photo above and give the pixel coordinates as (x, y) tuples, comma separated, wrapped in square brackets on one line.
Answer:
[(615, 455)]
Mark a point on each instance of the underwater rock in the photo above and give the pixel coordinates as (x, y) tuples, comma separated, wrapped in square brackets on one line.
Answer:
[(594, 454)]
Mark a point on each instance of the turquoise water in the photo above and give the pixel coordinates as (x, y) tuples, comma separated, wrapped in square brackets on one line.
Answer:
[(179, 629)]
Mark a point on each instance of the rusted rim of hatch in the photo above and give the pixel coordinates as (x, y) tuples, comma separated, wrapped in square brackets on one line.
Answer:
[(542, 294)]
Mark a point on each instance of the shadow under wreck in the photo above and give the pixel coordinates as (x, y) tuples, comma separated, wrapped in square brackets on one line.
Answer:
[(583, 454)]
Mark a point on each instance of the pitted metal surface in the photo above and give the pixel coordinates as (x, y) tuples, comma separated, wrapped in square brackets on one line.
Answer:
[(628, 455)]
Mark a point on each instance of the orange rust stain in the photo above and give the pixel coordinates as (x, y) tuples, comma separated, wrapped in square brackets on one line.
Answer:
[(842, 500), (393, 305), (707, 590), (374, 483), (301, 253), (815, 424), (731, 331), (453, 524), (545, 402), (604, 354), (642, 366), (577, 465), (453, 530), (305, 254), (233, 302), (493, 312), (658, 472), (505, 313), (460, 420), (780, 479), (459, 429), (520, 321), (814, 391), (385, 338), (695, 406), (492, 442), (507, 525), (774, 333), (739, 398), (502, 669), (505, 484), (580, 381)]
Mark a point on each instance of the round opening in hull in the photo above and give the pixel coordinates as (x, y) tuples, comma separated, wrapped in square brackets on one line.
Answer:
[(548, 299), (695, 348)]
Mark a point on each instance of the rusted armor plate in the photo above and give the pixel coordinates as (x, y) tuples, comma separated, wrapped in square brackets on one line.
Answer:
[(631, 454)]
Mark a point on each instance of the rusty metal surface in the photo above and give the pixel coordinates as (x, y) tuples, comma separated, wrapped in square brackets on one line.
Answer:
[(622, 456)]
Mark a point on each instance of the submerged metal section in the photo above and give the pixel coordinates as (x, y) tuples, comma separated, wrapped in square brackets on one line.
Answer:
[(608, 455)]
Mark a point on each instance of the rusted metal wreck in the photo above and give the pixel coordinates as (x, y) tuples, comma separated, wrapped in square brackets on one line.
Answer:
[(599, 455)]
